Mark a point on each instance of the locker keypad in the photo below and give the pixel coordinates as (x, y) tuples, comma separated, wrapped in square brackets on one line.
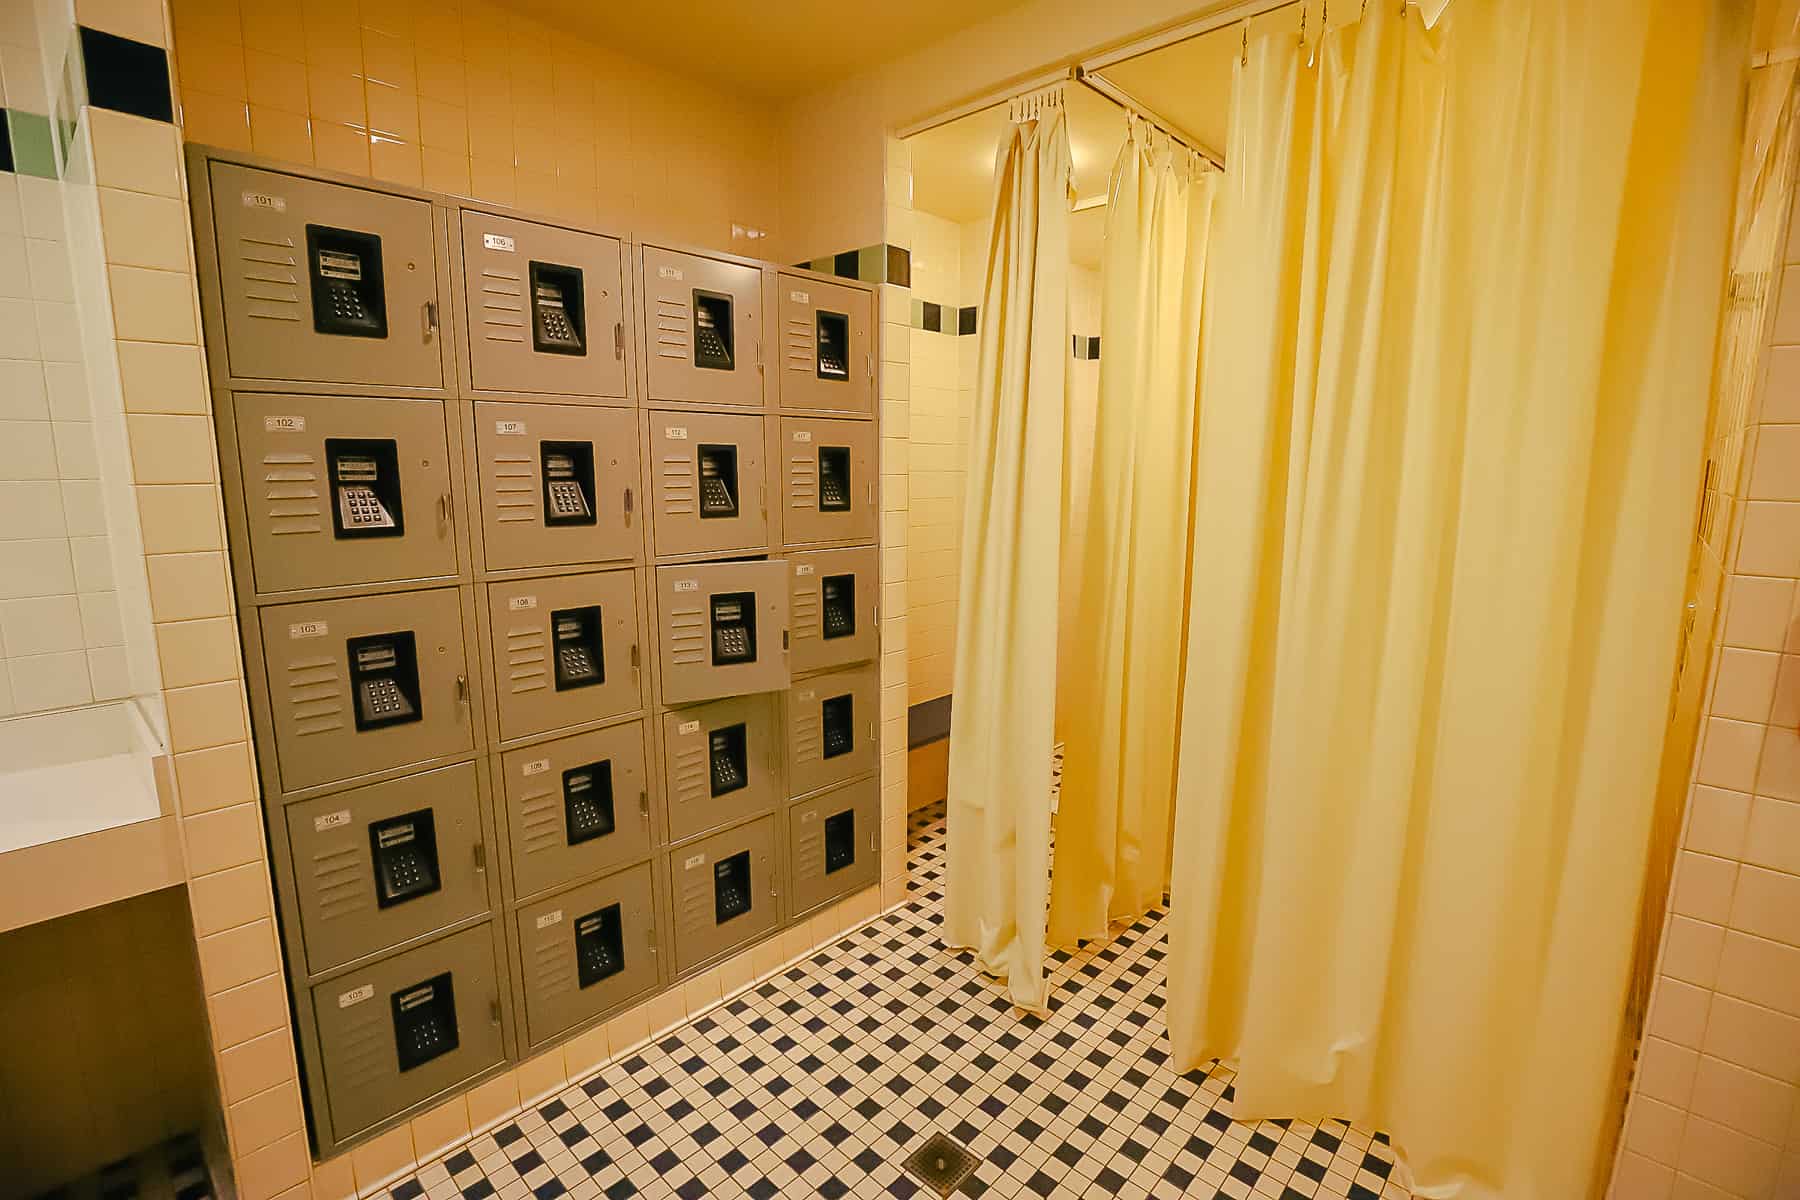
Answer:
[(731, 887), (728, 750), (840, 840), (734, 628), (831, 333), (837, 717), (588, 802), (599, 946), (834, 478), (718, 482), (580, 658), (568, 469), (404, 850), (838, 600), (712, 331), (424, 1021), (384, 674)]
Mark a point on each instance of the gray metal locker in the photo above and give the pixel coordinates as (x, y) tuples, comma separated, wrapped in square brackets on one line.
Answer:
[(833, 728), (546, 308), (344, 490), (404, 1029), (585, 951), (326, 282), (365, 684), (722, 629), (725, 892), (380, 865), (703, 329), (832, 596), (827, 346), (559, 485), (827, 480), (576, 807), (565, 650), (834, 844), (721, 763), (710, 482)]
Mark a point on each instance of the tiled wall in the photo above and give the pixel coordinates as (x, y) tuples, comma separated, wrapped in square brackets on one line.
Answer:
[(87, 1076), (1715, 1111), (465, 97), (61, 637)]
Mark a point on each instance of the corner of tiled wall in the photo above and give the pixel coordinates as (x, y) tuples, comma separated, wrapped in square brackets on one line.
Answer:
[(896, 405)]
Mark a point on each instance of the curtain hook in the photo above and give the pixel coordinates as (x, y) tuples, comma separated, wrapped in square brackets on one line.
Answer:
[(1244, 59), (1302, 23)]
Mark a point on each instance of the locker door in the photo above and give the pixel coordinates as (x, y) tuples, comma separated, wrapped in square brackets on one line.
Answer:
[(344, 490), (326, 282), (833, 728), (365, 684), (559, 485), (722, 629), (827, 480), (726, 893), (576, 807), (406, 1028), (546, 308), (586, 951), (721, 763), (711, 489), (566, 650), (827, 346), (832, 598), (834, 844), (380, 865), (703, 329)]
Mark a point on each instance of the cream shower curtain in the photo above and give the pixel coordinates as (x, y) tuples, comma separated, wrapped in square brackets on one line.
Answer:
[(1005, 669), (1454, 374), (1122, 682)]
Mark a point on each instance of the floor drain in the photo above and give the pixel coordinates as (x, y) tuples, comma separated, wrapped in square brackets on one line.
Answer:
[(942, 1162)]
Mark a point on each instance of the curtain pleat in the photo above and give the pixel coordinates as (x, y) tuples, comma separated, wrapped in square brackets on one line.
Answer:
[(1121, 688), (996, 881), (1454, 372)]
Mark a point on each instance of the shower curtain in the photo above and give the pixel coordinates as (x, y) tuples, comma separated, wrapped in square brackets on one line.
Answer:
[(1005, 666), (1454, 376), (1122, 679)]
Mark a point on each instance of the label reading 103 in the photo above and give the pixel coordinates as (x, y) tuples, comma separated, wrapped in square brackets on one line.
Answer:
[(308, 629)]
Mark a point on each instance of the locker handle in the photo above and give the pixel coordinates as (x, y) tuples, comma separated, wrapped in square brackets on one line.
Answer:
[(462, 690), (431, 319), (872, 846), (644, 806), (628, 505), (446, 509), (619, 340), (481, 857), (634, 656), (494, 1010)]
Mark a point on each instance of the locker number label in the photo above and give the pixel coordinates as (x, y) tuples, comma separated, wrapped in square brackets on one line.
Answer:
[(497, 241), (692, 861), (521, 603), (669, 273), (809, 816), (553, 917), (265, 201), (356, 995), (807, 695), (308, 629), (803, 568), (284, 424), (803, 435), (687, 585), (688, 727), (512, 427), (675, 433), (536, 766), (800, 297), (331, 820)]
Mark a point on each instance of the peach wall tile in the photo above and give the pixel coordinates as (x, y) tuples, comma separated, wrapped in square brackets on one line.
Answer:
[(1666, 1071), (1767, 903), (1775, 474), (226, 837), (238, 956), (1760, 971), (586, 1052), (1757, 612), (256, 1065), (274, 81), (139, 20), (492, 1100), (1729, 753), (541, 1075), (1678, 1011), (1727, 1159), (205, 716), (1773, 836), (396, 161), (144, 230), (187, 587), (265, 1118), (153, 306), (1640, 1178), (1690, 949), (228, 899), (441, 1128), (162, 377), (248, 1011), (1716, 822), (629, 1029), (1744, 687), (1653, 1130), (1761, 1039), (135, 153), (266, 1173), (338, 147), (1778, 773), (334, 1179), (1770, 544), (193, 652), (1703, 887), (214, 65), (280, 134), (383, 1157), (214, 778), (1751, 1104), (215, 120)]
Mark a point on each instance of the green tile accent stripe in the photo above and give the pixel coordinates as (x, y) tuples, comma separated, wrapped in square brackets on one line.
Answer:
[(33, 149), (871, 264)]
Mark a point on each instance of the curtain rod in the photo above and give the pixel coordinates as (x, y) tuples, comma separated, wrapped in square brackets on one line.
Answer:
[(1104, 87)]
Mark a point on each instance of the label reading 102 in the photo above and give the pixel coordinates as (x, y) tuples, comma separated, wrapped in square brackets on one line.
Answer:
[(284, 424)]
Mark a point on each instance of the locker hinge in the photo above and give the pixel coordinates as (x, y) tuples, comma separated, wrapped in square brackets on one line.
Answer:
[(481, 856), (619, 340)]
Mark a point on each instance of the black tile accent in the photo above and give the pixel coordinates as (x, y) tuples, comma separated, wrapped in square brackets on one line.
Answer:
[(899, 266), (1094, 346), (965, 320), (6, 154), (934, 317), (845, 264), (126, 76)]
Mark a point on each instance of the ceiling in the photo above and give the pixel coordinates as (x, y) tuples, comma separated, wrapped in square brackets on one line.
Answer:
[(775, 51)]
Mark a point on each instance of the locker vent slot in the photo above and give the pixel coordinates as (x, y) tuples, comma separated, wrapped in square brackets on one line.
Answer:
[(808, 738), (676, 486), (553, 972), (803, 608), (692, 772), (270, 275), (527, 662), (809, 847), (797, 345), (687, 633), (424, 1021), (340, 882), (803, 480), (588, 802), (315, 695), (673, 320), (599, 945), (364, 1050), (542, 821), (840, 840), (502, 305), (514, 483), (292, 494)]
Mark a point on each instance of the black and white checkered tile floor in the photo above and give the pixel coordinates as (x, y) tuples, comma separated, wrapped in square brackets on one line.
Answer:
[(821, 1080)]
